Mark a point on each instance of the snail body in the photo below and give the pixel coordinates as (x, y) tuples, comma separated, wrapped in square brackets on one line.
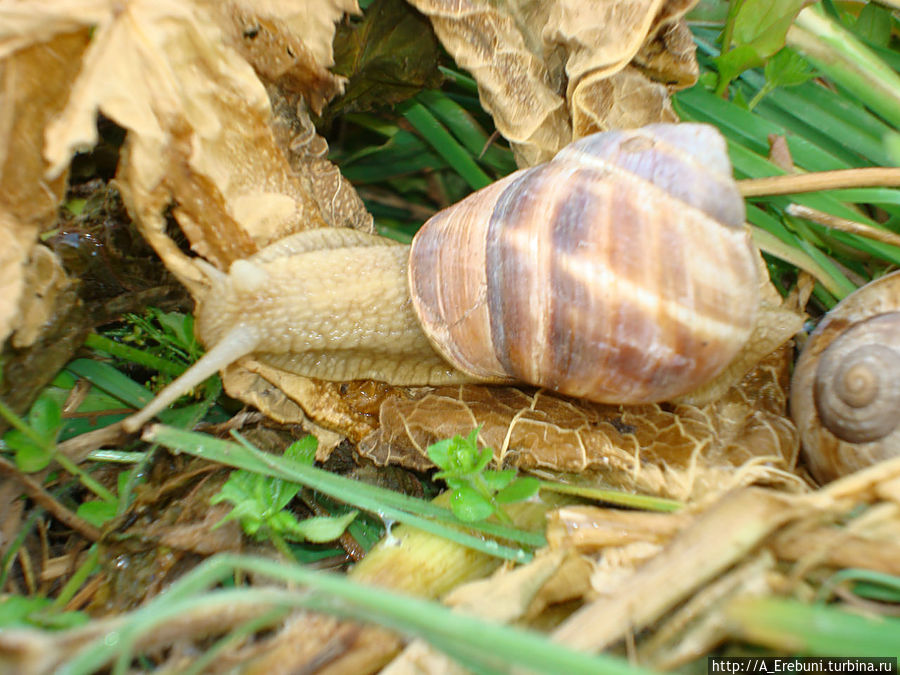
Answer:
[(845, 392), (619, 272)]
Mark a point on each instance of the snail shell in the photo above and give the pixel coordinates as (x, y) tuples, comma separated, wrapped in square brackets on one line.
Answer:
[(845, 392), (620, 271)]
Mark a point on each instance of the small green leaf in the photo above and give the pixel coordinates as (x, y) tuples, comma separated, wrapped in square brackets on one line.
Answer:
[(97, 513), (29, 456), (281, 492), (180, 326), (303, 451), (497, 480), (764, 23), (468, 505), (519, 490), (485, 455), (874, 25), (787, 69), (439, 453), (734, 62), (45, 416)]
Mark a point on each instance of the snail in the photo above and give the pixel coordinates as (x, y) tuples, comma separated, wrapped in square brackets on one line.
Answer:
[(620, 271), (845, 391)]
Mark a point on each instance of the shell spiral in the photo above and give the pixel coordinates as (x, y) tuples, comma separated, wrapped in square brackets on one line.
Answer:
[(845, 392), (620, 271)]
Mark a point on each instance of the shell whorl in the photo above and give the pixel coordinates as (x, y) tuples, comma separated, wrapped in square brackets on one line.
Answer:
[(857, 389), (845, 392), (619, 272)]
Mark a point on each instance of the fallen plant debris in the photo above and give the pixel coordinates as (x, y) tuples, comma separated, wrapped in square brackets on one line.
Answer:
[(202, 126)]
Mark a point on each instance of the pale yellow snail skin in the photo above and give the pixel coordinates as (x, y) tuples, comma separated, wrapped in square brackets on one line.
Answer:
[(845, 392), (621, 272)]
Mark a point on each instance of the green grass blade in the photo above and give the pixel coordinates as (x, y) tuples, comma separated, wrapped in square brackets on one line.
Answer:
[(445, 145), (388, 504), (134, 355), (847, 61), (464, 127), (480, 644), (814, 630), (110, 380)]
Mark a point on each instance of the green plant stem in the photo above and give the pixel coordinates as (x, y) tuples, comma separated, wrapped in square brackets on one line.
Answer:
[(760, 95), (645, 502), (387, 504), (280, 544), (85, 570), (848, 62), (814, 630), (82, 476), (445, 145), (133, 354), (733, 8), (50, 448), (486, 646)]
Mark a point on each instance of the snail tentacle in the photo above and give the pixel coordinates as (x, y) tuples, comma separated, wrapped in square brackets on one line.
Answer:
[(239, 341)]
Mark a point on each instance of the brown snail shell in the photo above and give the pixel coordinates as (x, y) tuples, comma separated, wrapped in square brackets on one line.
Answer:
[(620, 271), (845, 392)]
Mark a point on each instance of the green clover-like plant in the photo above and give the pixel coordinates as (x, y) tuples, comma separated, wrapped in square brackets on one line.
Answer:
[(478, 492), (260, 504)]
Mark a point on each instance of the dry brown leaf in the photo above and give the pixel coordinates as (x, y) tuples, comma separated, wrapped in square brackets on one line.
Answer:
[(680, 451), (28, 201), (287, 42), (198, 121), (45, 279), (624, 100), (500, 45), (551, 72), (241, 170), (718, 538)]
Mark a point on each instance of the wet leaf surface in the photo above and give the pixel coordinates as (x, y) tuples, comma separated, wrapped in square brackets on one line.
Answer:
[(387, 56)]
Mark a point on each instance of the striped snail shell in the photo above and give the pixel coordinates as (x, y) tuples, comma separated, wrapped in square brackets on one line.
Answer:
[(845, 392), (621, 271)]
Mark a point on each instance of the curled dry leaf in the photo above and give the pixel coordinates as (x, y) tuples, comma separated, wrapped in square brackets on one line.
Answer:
[(288, 43), (28, 201), (681, 451), (198, 118), (203, 136), (551, 72)]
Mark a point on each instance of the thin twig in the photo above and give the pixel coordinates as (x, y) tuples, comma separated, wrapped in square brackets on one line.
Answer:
[(820, 180), (44, 499), (843, 224)]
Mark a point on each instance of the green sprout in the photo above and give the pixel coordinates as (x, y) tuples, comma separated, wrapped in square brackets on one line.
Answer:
[(260, 504), (478, 492)]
